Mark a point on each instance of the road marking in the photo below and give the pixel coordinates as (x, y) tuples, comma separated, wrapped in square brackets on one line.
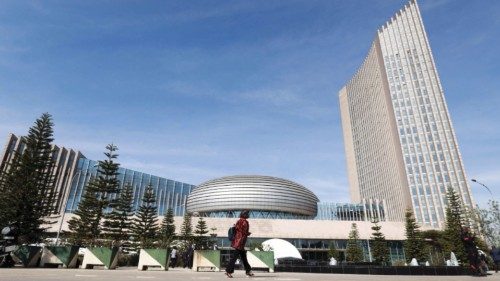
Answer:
[(146, 277), (85, 275)]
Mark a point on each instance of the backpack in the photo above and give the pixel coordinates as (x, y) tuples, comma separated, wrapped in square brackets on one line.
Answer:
[(231, 232)]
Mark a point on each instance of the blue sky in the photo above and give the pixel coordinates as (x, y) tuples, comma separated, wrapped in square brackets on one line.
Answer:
[(193, 90)]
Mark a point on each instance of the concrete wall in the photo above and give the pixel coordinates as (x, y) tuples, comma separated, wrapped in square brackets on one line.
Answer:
[(297, 229)]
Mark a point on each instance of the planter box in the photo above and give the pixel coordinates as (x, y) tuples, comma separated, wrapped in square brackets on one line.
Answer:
[(100, 256), (60, 255), (154, 258), (27, 255), (206, 259), (261, 259)]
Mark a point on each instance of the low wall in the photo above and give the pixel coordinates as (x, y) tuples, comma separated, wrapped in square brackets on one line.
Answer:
[(376, 270)]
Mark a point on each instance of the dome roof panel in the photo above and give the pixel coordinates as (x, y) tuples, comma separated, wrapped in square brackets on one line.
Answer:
[(256, 193)]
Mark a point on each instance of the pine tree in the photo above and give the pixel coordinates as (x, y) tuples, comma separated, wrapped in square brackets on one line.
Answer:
[(354, 253), (107, 183), (414, 245), (201, 229), (434, 241), (27, 185), (96, 200), (333, 252), (380, 251), (117, 223), (453, 228), (187, 228), (84, 226), (7, 213), (167, 228), (145, 225)]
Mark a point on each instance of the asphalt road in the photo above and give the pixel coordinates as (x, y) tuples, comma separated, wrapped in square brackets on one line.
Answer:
[(179, 274)]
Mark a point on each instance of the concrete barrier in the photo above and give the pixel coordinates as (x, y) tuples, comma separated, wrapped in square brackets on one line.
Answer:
[(99, 256), (59, 255), (261, 259), (153, 258), (27, 255), (206, 259)]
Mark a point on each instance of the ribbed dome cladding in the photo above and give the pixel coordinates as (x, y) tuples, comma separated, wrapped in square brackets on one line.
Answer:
[(260, 193)]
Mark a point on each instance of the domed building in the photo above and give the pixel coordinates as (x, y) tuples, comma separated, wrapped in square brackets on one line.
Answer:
[(283, 209), (265, 197)]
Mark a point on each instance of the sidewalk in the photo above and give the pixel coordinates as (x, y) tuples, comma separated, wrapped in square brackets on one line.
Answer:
[(183, 274)]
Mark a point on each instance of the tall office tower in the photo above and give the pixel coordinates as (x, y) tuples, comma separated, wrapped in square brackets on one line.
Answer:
[(399, 141)]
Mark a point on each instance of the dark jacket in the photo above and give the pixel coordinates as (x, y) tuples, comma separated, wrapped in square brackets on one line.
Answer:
[(468, 242), (242, 231), (495, 254)]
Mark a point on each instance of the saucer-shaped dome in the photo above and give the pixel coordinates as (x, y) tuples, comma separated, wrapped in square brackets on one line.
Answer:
[(254, 193)]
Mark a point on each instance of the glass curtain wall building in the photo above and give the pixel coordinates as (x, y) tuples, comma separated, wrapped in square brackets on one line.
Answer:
[(73, 170), (169, 193), (367, 210), (399, 140), (318, 249)]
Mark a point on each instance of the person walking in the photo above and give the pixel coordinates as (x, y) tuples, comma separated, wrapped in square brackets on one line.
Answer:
[(472, 252), (495, 255), (242, 232), (173, 257), (189, 256)]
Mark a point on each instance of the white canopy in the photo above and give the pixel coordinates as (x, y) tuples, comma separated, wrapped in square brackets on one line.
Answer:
[(281, 249)]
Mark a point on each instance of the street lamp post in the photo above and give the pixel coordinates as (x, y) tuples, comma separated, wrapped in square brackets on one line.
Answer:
[(474, 180), (65, 206)]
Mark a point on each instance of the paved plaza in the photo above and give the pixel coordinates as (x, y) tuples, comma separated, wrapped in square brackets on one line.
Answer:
[(123, 274)]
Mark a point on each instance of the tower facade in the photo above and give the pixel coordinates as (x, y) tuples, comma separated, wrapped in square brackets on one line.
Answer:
[(399, 140)]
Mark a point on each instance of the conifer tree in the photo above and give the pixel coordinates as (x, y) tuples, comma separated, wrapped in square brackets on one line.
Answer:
[(201, 230), (84, 226), (333, 252), (27, 186), (107, 183), (167, 228), (117, 224), (354, 252), (145, 225), (96, 200), (434, 243), (380, 251), (187, 228), (453, 228), (7, 213), (414, 245)]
